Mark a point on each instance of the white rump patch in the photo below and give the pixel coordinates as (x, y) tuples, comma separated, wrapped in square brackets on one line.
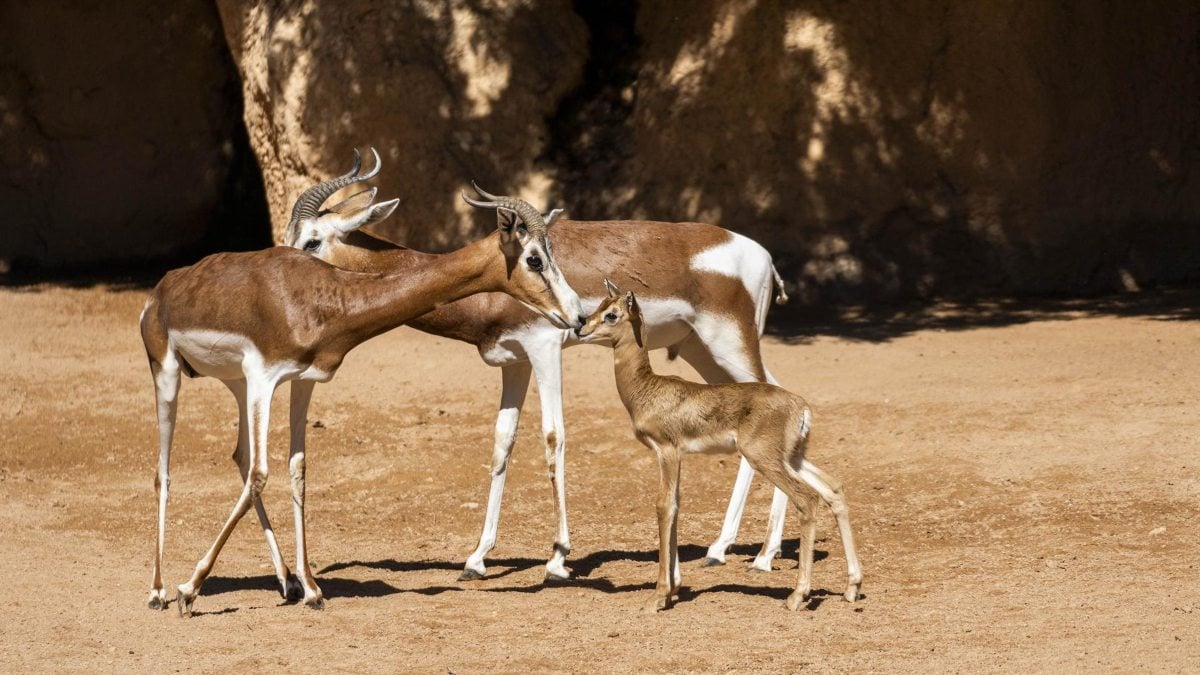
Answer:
[(739, 258), (805, 423)]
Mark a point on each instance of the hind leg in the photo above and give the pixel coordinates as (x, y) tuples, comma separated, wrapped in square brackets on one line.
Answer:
[(830, 490), (770, 459), (720, 353), (289, 585), (258, 405), (166, 394)]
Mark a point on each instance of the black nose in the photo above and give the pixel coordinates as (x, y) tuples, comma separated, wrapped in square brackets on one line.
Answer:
[(578, 330), (582, 320)]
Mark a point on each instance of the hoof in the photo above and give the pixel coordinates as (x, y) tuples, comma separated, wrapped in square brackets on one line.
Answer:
[(158, 599), (183, 602), (557, 576), (292, 591), (469, 574), (657, 604), (797, 600), (315, 603), (755, 569), (712, 562), (851, 593)]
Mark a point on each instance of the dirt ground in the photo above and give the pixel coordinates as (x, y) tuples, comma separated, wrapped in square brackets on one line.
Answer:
[(1022, 479)]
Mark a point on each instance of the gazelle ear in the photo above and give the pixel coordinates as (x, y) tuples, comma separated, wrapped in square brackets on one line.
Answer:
[(359, 200), (381, 211), (552, 216), (347, 223), (506, 219), (635, 318), (611, 288)]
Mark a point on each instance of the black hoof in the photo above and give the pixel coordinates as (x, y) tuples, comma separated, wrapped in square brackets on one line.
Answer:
[(469, 575), (555, 579), (712, 562), (294, 591), (157, 603), (316, 603)]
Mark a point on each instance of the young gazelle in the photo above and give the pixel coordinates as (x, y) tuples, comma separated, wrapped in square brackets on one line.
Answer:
[(766, 424), (706, 295), (255, 320)]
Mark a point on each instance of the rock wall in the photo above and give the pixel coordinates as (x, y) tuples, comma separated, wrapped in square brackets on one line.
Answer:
[(901, 148), (880, 149), (446, 91), (119, 134)]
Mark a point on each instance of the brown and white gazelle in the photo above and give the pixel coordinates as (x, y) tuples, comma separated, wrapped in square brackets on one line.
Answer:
[(705, 290), (765, 423), (256, 320)]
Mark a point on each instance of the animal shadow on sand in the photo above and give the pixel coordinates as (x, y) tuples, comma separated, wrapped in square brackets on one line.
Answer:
[(583, 571)]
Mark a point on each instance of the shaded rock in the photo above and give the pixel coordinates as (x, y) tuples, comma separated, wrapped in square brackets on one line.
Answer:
[(119, 127), (447, 92)]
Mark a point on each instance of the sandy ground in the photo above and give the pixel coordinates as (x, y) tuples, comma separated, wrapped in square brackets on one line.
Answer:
[(1022, 479)]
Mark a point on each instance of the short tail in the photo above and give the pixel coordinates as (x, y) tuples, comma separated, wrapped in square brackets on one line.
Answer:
[(781, 296)]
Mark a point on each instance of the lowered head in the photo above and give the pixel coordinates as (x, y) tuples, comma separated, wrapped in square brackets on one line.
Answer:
[(315, 229), (533, 276), (618, 317)]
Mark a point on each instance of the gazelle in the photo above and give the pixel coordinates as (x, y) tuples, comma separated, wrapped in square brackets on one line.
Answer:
[(255, 320), (706, 292), (766, 424)]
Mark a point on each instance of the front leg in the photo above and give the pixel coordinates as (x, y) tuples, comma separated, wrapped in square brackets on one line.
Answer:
[(301, 395), (668, 515), (546, 359), (512, 398)]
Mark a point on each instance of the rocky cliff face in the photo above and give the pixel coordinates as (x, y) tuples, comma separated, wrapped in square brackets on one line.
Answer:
[(119, 133), (910, 148), (879, 149), (447, 92)]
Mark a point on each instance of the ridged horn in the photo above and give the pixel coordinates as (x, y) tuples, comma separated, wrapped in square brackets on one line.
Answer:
[(534, 222), (310, 201)]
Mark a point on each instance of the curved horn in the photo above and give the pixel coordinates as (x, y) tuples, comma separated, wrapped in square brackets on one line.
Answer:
[(310, 201), (486, 195), (534, 222)]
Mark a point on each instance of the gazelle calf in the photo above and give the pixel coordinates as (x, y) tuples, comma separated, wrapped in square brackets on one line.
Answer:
[(765, 423), (256, 320), (706, 292)]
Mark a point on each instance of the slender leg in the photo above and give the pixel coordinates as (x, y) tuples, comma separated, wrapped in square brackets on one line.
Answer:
[(806, 505), (736, 361), (668, 515), (547, 367), (733, 517), (258, 404), (830, 491), (301, 395), (770, 459), (774, 539), (289, 586), (166, 394), (512, 398)]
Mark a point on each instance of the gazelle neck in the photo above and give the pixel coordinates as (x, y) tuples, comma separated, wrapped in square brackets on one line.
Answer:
[(631, 364), (372, 304), (365, 252)]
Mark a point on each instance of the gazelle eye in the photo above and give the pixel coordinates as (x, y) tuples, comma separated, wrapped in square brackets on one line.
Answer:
[(534, 262), (611, 317), (312, 245)]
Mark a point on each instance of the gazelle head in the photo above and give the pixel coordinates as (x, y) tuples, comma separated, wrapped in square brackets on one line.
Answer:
[(317, 230), (618, 317), (533, 276)]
